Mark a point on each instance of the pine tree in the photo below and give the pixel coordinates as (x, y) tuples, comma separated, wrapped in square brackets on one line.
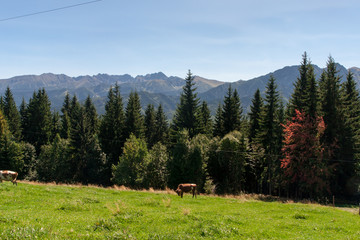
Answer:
[(55, 125), (150, 125), (112, 129), (91, 115), (186, 115), (86, 156), (330, 108), (232, 111), (161, 126), (134, 120), (298, 98), (254, 115), (268, 134), (37, 129), (350, 99), (65, 118), (205, 121), (12, 114), (218, 130)]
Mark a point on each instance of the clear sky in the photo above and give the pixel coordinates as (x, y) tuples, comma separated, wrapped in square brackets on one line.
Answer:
[(227, 40)]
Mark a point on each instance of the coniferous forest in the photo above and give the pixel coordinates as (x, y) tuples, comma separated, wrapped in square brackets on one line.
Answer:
[(306, 147)]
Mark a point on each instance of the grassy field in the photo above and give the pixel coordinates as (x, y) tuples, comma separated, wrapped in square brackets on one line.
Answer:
[(75, 212)]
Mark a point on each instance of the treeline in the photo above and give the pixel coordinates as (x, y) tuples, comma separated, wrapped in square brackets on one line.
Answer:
[(306, 149)]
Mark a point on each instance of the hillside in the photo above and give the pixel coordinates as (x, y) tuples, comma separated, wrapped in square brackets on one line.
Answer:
[(153, 88), (78, 212)]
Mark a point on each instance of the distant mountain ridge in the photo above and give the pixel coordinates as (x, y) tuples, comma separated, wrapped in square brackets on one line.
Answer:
[(153, 88)]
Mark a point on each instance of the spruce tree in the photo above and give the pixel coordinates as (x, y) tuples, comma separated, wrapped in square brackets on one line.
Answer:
[(254, 115), (161, 126), (91, 115), (330, 108), (205, 121), (150, 125), (218, 130), (350, 99), (86, 156), (65, 118), (269, 134), (232, 111), (12, 114), (112, 129), (38, 120), (186, 115), (134, 120)]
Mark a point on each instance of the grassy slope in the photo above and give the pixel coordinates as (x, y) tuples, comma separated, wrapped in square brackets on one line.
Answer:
[(58, 212)]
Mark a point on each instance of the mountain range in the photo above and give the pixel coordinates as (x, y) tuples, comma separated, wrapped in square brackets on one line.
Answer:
[(153, 88)]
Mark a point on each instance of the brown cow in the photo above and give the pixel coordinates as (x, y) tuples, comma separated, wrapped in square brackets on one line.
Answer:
[(186, 187), (7, 175)]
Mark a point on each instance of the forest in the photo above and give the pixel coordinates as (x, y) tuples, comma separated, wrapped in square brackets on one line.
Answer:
[(304, 147)]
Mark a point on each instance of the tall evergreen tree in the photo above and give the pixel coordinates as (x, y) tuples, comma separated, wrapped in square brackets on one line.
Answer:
[(269, 134), (65, 118), (38, 120), (134, 120), (218, 130), (254, 115), (91, 115), (186, 115), (86, 156), (205, 121), (351, 113), (161, 126), (12, 114), (330, 107), (112, 129), (150, 125), (232, 111)]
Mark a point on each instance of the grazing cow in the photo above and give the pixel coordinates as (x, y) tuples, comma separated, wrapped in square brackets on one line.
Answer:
[(186, 187), (7, 175)]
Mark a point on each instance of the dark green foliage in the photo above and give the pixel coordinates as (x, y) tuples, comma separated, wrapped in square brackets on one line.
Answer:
[(205, 121), (156, 170), (254, 115), (65, 118), (131, 169), (330, 109), (161, 126), (11, 156), (134, 120), (150, 125), (226, 164), (91, 116), (37, 125), (232, 111), (268, 136), (12, 114), (112, 129), (219, 123), (30, 162), (54, 163), (187, 163), (87, 158), (55, 125), (177, 164), (186, 115)]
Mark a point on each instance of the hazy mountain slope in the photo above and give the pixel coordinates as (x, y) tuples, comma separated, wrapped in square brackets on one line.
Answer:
[(153, 88)]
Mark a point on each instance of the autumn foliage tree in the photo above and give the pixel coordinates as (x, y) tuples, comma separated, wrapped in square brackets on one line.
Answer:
[(305, 157)]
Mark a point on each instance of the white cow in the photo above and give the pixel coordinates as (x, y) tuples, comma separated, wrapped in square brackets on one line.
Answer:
[(7, 175)]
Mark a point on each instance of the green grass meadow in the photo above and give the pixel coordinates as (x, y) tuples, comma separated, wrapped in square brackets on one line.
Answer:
[(30, 211)]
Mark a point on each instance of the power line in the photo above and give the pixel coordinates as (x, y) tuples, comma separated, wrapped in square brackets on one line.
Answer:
[(50, 10)]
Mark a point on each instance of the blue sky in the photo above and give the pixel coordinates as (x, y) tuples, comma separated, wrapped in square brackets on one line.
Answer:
[(226, 40)]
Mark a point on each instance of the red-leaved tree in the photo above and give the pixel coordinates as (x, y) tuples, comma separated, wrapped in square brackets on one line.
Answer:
[(305, 158)]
